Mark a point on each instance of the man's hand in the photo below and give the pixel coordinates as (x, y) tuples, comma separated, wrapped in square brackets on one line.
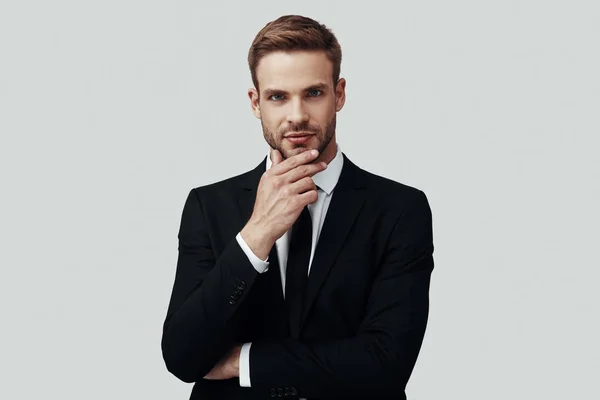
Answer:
[(283, 192), (228, 367)]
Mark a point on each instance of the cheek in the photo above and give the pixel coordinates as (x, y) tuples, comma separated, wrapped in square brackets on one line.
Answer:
[(266, 115), (322, 113), (272, 119)]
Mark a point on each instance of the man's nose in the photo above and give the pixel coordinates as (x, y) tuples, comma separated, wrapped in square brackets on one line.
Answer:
[(297, 113)]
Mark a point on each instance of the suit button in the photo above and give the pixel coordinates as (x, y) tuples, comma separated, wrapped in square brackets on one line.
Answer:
[(273, 393), (293, 391), (286, 391), (237, 293), (280, 392), (242, 285)]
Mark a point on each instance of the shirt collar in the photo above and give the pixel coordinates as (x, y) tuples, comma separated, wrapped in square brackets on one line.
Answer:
[(328, 178)]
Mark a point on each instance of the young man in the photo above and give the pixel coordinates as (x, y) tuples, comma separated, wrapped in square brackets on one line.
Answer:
[(306, 277)]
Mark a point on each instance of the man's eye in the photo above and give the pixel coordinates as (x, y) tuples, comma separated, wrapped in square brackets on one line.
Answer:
[(276, 97), (314, 93)]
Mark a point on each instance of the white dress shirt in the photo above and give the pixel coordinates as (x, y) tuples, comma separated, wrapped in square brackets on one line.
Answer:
[(326, 181)]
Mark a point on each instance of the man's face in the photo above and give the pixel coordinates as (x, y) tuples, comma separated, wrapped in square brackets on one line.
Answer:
[(298, 97)]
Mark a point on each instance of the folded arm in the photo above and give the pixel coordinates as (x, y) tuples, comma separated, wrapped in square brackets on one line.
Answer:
[(201, 319)]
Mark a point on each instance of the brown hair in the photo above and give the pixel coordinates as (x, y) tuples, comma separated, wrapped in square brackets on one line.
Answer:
[(294, 33)]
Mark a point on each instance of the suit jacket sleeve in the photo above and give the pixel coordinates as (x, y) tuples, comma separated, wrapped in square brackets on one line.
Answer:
[(202, 318), (379, 359)]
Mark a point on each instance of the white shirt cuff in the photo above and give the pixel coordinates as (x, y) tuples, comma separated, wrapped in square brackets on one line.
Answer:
[(245, 365), (259, 265)]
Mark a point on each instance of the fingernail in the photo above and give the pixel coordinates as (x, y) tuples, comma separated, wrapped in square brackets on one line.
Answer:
[(314, 152)]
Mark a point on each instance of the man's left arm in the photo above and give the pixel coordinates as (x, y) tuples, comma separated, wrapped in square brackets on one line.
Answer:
[(380, 358)]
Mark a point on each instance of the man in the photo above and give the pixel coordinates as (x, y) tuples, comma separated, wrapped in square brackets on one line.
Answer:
[(306, 277)]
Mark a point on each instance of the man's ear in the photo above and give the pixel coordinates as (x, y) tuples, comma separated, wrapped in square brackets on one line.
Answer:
[(254, 102), (340, 94)]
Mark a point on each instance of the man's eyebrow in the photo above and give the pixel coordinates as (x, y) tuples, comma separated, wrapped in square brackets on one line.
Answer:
[(270, 92), (317, 86)]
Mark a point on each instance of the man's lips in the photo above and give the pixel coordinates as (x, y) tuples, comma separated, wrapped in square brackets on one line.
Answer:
[(299, 134), (297, 138)]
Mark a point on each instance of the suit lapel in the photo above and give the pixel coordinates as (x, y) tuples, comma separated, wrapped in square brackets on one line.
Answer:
[(346, 203), (250, 182)]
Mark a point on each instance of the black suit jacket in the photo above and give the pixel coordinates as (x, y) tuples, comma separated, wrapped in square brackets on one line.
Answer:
[(366, 302)]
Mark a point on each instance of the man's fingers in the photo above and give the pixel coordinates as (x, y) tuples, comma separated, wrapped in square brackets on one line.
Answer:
[(303, 185), (303, 158), (276, 157), (303, 171), (216, 373), (308, 197)]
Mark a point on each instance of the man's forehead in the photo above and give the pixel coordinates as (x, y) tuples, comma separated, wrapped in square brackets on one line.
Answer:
[(294, 70)]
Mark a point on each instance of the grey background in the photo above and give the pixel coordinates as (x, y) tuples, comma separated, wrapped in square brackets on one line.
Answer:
[(112, 111)]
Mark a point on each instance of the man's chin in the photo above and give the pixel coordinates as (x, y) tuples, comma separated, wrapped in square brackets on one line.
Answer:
[(290, 152)]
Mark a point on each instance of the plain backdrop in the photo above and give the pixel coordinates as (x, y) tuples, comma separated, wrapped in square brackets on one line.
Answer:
[(111, 111)]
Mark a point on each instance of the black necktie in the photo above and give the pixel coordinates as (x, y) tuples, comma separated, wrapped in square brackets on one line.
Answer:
[(297, 269)]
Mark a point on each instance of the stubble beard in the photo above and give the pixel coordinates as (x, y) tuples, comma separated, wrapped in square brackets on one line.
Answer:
[(275, 139)]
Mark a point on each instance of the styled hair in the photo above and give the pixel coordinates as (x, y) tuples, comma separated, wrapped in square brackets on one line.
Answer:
[(294, 33)]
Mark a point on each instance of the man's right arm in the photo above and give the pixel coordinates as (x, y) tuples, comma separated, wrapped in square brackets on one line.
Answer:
[(200, 320)]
